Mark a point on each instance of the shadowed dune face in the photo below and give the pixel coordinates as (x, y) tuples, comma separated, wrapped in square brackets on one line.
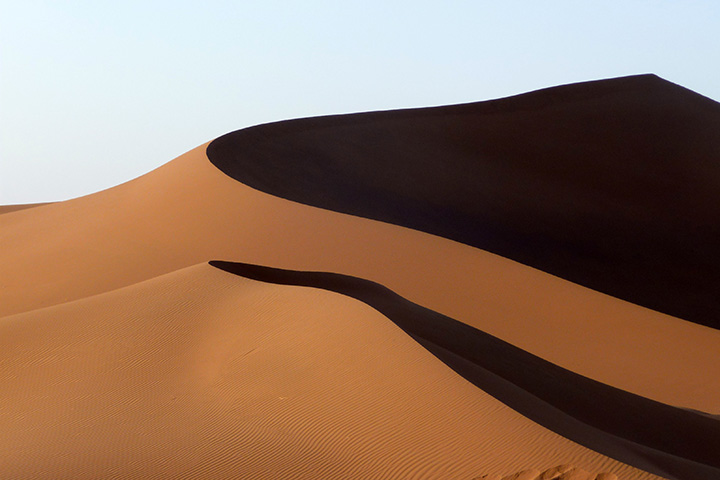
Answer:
[(670, 441), (610, 184), (188, 211), (122, 353), (203, 374)]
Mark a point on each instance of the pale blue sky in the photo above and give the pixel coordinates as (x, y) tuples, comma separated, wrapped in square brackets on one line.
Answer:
[(94, 93)]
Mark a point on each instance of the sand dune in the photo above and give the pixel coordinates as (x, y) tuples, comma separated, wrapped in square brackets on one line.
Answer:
[(202, 374), (124, 354), (187, 212), (675, 441), (610, 184)]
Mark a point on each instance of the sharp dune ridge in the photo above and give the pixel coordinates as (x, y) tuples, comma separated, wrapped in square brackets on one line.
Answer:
[(188, 212), (673, 442), (489, 234), (611, 184), (202, 374)]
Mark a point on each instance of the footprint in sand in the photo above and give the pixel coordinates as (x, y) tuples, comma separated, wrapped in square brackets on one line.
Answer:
[(561, 472)]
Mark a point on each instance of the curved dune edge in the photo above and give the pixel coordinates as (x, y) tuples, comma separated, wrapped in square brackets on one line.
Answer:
[(665, 440), (610, 184), (188, 212), (202, 374)]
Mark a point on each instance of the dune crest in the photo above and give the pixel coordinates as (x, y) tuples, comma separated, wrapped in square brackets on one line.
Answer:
[(202, 374), (611, 184), (188, 212), (419, 353), (659, 438)]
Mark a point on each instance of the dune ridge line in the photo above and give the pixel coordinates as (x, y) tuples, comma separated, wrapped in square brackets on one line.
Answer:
[(612, 184), (668, 441)]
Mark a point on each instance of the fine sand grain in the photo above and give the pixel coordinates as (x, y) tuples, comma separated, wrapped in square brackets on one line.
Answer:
[(674, 442), (611, 184)]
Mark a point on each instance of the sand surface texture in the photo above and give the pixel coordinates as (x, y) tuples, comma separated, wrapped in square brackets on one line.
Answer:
[(202, 374), (123, 354)]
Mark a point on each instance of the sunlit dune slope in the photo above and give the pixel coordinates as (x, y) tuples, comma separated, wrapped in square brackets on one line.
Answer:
[(202, 374), (612, 184), (370, 249), (188, 212), (674, 442)]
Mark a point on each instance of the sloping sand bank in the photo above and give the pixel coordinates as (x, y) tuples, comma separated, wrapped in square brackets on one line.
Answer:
[(203, 374), (123, 354), (669, 441), (188, 212)]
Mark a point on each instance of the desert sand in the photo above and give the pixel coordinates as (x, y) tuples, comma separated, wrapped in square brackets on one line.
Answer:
[(202, 374), (16, 207), (124, 354)]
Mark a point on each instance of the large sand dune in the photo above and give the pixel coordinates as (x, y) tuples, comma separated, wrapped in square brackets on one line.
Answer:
[(632, 428), (201, 374), (610, 184), (124, 354)]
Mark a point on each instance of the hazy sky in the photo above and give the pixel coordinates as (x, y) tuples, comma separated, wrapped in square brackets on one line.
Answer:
[(94, 93)]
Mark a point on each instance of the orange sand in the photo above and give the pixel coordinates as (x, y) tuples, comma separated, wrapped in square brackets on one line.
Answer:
[(187, 212), (202, 374)]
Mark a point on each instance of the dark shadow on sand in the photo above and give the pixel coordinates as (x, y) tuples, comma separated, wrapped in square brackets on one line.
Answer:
[(672, 442), (613, 184)]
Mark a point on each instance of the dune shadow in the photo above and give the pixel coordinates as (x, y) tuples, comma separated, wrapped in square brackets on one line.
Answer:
[(672, 442), (612, 184)]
